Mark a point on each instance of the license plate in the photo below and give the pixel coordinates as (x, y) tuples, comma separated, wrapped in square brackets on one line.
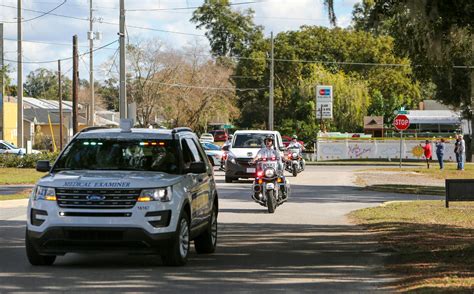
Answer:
[(267, 165), (251, 170), (270, 186)]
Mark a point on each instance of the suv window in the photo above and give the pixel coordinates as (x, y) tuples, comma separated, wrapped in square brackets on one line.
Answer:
[(120, 154), (2, 146), (248, 140), (190, 152)]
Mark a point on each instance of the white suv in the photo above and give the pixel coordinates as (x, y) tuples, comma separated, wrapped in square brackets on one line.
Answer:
[(137, 190), (244, 148)]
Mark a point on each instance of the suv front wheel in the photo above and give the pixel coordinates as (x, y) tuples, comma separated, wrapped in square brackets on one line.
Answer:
[(34, 257), (177, 253), (207, 241)]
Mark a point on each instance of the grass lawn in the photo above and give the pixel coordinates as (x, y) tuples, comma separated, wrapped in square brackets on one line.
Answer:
[(14, 196), (432, 246), (408, 189), (449, 171), (11, 176)]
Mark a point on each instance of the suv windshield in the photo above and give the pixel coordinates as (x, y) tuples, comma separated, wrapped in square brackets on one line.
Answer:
[(120, 154), (248, 140)]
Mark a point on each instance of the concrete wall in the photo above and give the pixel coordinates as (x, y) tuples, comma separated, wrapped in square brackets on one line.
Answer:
[(377, 149)]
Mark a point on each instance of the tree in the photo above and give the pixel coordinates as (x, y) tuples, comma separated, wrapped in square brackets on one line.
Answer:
[(43, 83), (437, 36), (109, 93), (229, 32)]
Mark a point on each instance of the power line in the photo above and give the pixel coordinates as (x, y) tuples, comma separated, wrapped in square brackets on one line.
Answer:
[(64, 59), (108, 22), (179, 85), (36, 17), (193, 7), (49, 43)]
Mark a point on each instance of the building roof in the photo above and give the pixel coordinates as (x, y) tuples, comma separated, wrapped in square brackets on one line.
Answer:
[(373, 122), (40, 116), (442, 117)]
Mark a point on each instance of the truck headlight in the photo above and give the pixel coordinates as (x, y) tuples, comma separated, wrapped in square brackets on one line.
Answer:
[(44, 193), (158, 194)]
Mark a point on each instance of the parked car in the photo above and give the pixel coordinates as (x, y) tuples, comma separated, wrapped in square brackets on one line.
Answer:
[(287, 140), (219, 135), (9, 148), (206, 137), (213, 152)]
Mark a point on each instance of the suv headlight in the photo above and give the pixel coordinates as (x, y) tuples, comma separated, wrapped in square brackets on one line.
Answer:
[(158, 194), (44, 193), (231, 158)]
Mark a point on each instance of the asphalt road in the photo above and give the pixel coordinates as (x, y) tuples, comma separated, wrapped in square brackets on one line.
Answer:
[(308, 245)]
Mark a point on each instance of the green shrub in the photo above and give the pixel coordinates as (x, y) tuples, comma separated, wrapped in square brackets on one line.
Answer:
[(26, 161)]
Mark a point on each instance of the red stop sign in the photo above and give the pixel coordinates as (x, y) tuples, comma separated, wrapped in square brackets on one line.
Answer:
[(401, 122)]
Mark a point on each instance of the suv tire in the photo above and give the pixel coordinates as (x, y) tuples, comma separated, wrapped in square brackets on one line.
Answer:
[(177, 253), (34, 257), (207, 241)]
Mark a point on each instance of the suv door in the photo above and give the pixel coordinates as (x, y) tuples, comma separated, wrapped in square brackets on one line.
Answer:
[(200, 183)]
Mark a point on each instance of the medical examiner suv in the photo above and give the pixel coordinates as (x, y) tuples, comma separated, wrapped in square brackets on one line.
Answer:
[(138, 191)]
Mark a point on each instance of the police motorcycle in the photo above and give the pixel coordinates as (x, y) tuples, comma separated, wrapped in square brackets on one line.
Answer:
[(270, 186), (294, 162)]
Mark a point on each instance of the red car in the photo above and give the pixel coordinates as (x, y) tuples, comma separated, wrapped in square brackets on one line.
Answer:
[(287, 140), (219, 135)]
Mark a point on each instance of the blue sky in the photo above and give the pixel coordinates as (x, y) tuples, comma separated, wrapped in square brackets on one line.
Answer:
[(274, 15)]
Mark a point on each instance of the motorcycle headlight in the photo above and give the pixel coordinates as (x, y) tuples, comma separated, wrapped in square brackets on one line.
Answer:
[(294, 154), (159, 194), (269, 173), (44, 193)]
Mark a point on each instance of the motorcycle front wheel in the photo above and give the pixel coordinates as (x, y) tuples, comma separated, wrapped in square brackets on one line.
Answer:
[(295, 170), (271, 201)]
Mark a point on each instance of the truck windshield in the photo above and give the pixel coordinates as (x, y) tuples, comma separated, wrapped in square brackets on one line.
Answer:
[(119, 154), (249, 140)]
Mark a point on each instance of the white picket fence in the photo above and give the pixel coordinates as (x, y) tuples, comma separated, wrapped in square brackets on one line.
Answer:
[(377, 149)]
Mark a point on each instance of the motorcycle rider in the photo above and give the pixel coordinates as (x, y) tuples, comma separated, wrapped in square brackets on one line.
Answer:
[(294, 144), (269, 151)]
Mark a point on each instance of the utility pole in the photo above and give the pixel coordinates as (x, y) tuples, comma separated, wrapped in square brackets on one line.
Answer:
[(60, 99), (19, 95), (91, 65), (271, 103), (472, 104), (75, 83), (123, 90), (2, 84)]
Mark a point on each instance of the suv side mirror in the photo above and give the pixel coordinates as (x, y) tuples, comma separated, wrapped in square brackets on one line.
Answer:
[(197, 168), (225, 148), (43, 165)]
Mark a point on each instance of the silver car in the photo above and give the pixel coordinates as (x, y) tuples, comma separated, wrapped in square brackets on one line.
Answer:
[(213, 152)]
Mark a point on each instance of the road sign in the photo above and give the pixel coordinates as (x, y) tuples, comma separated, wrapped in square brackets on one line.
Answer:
[(401, 122), (324, 95)]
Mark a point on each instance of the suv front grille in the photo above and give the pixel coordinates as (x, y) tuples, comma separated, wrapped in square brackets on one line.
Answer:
[(243, 161), (96, 198)]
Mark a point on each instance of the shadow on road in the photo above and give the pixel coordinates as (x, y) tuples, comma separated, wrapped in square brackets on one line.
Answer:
[(250, 257)]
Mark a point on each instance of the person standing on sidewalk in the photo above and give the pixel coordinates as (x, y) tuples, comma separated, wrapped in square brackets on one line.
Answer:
[(440, 152), (461, 152), (428, 153)]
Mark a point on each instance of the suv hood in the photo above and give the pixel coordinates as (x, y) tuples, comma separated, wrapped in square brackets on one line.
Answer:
[(109, 179), (244, 152)]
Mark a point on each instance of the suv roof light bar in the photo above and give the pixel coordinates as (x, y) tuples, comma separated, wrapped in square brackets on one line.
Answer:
[(92, 128), (181, 129)]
